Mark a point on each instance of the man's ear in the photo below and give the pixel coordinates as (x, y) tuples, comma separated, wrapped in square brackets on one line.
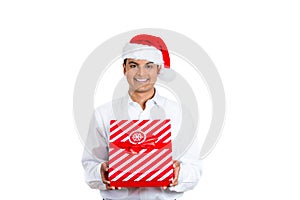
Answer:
[(124, 69), (158, 69)]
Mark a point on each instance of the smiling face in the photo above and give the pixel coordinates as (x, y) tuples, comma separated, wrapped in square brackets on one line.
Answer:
[(141, 75)]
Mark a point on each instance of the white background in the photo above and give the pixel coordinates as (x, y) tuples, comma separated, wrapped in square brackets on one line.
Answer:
[(254, 44)]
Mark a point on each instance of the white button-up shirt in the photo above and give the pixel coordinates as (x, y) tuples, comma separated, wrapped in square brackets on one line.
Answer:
[(97, 148)]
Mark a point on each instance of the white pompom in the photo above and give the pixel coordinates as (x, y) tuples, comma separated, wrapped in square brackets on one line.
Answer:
[(167, 74)]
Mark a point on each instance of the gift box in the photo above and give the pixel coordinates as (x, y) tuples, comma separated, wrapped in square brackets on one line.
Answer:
[(140, 153)]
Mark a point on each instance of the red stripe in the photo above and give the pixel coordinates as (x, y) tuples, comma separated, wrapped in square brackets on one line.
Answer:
[(169, 160), (156, 128), (167, 128), (142, 164), (135, 128), (116, 148), (150, 166), (112, 128), (139, 183), (126, 166), (112, 121), (111, 160), (150, 125), (132, 162), (122, 129), (161, 174), (165, 137)]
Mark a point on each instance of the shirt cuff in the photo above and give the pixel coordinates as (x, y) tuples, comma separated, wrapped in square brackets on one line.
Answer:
[(187, 178), (97, 182)]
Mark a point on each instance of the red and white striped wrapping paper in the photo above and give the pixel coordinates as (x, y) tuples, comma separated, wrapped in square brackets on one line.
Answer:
[(140, 153)]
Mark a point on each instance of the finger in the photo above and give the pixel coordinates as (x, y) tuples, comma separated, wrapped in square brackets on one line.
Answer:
[(174, 183), (104, 165), (176, 175), (176, 163), (105, 178), (110, 187), (104, 168), (106, 182), (164, 187), (175, 180), (104, 172)]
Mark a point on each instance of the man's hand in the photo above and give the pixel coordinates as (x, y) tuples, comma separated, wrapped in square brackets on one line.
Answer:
[(176, 166), (104, 175)]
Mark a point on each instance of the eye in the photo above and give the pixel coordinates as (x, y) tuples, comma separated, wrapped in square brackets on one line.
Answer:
[(132, 66), (148, 66)]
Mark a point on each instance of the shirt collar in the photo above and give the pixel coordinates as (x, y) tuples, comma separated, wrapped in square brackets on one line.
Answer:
[(156, 99)]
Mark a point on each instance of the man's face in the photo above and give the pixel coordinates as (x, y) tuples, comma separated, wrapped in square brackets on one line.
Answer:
[(141, 75)]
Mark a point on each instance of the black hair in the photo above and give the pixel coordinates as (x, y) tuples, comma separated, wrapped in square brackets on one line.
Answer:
[(125, 60)]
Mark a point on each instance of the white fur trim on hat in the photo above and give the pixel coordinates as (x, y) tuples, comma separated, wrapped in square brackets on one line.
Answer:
[(167, 74), (142, 52)]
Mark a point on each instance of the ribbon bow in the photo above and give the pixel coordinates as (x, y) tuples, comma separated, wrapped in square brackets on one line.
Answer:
[(149, 144)]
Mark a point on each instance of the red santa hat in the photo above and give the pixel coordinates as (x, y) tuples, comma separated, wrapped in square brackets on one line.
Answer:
[(147, 47)]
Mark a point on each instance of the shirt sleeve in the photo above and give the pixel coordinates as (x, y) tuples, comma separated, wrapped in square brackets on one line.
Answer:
[(95, 153), (190, 169)]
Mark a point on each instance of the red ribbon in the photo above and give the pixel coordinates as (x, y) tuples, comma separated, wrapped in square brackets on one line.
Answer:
[(148, 144)]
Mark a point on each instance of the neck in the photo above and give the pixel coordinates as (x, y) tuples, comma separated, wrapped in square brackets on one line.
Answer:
[(142, 97)]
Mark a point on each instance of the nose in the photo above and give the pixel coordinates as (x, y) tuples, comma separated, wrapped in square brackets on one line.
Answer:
[(141, 71)]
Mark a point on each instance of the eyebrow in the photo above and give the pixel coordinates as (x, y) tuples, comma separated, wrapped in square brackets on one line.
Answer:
[(132, 62)]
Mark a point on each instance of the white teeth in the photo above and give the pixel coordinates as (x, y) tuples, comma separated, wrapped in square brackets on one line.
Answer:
[(141, 79)]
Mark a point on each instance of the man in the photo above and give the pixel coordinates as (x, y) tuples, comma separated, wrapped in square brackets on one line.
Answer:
[(145, 58)]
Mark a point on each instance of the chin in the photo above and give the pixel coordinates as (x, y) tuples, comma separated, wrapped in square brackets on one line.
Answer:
[(143, 89)]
